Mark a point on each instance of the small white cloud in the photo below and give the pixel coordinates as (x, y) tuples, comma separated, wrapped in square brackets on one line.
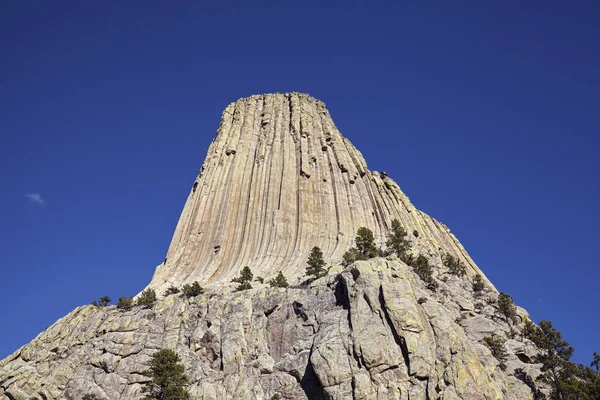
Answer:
[(35, 198)]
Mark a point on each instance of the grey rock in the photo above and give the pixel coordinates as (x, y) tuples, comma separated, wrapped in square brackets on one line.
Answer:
[(358, 334)]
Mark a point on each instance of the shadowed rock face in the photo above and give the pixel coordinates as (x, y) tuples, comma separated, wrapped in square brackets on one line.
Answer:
[(278, 179)]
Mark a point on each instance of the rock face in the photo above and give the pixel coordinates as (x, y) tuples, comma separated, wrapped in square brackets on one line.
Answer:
[(364, 333), (278, 180)]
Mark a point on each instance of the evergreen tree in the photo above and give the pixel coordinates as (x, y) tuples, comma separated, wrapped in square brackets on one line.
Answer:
[(554, 356), (566, 380), (192, 290), (478, 284), (125, 303), (244, 279), (279, 281), (168, 378), (365, 243), (506, 306), (596, 363), (423, 270), (171, 290), (103, 302), (352, 255), (396, 240), (496, 345), (316, 264), (455, 266), (147, 298)]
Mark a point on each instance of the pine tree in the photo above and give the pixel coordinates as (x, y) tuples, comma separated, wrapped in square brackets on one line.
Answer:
[(244, 279), (423, 270), (496, 345), (279, 281), (147, 298), (596, 363), (554, 356), (171, 290), (103, 302), (566, 380), (478, 284), (352, 255), (396, 240), (365, 243), (316, 264), (168, 378), (506, 306), (125, 303), (455, 266), (192, 290)]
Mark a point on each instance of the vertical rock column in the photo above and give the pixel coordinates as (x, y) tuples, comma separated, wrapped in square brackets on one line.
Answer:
[(278, 179)]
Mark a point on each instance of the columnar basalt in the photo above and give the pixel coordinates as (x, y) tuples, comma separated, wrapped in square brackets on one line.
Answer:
[(278, 179)]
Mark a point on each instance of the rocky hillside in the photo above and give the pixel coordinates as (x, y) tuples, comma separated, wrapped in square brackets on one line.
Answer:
[(370, 331)]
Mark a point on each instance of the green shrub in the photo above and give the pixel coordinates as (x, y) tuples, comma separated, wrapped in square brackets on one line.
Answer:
[(244, 286), (423, 270), (168, 378), (478, 284), (171, 290), (496, 345), (455, 266), (415, 233), (260, 279), (103, 302), (125, 303), (90, 396), (279, 281), (192, 290), (506, 306), (396, 239), (422, 300), (147, 298), (352, 255), (408, 258), (244, 279), (316, 264)]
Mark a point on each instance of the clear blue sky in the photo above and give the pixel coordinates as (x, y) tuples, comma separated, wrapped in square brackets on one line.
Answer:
[(487, 114)]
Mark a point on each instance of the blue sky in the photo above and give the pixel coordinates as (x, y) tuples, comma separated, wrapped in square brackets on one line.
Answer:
[(485, 113)]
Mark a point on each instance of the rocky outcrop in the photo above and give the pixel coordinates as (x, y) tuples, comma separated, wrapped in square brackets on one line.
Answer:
[(371, 331), (278, 179)]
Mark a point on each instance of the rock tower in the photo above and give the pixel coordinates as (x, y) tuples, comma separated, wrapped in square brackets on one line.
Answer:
[(279, 178)]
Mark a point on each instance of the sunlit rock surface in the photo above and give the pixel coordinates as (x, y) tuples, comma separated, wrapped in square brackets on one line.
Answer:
[(359, 334), (279, 179)]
